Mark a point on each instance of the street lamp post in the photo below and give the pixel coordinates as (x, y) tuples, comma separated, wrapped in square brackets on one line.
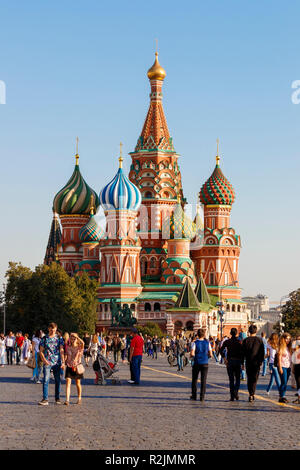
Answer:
[(281, 325), (221, 311)]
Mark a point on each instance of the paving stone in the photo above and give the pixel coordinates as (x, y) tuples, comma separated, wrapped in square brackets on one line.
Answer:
[(156, 415)]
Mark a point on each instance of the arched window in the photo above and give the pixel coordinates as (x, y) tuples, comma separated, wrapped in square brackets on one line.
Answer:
[(157, 307), (105, 308), (239, 308), (189, 325), (144, 266), (148, 195), (152, 262), (233, 308), (147, 307)]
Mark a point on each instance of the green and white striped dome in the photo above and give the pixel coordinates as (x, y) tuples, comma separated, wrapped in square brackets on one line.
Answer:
[(75, 196)]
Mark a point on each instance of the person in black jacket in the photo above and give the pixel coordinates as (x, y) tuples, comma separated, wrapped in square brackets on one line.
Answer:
[(254, 354), (233, 362)]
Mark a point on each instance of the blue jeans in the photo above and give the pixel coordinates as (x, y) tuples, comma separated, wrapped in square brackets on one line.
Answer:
[(215, 356), (37, 372), (264, 367), (136, 368), (284, 377), (274, 375), (180, 361), (243, 372), (56, 373)]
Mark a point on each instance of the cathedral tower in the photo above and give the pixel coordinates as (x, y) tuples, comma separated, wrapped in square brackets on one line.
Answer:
[(120, 275), (155, 171), (217, 260), (73, 205)]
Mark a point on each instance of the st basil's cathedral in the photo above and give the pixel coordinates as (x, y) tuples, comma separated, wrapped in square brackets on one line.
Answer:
[(169, 269)]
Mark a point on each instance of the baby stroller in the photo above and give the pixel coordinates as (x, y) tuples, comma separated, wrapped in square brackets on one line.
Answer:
[(104, 369)]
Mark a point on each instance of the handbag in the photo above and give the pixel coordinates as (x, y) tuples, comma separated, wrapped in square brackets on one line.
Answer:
[(275, 364), (31, 363), (80, 369)]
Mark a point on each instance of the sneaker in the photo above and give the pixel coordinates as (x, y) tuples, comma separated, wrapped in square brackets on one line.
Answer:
[(283, 400), (193, 398), (38, 382), (58, 402), (44, 402), (32, 379), (251, 398), (297, 401), (131, 381), (267, 393)]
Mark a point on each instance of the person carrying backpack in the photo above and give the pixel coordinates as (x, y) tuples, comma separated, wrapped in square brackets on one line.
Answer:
[(200, 352)]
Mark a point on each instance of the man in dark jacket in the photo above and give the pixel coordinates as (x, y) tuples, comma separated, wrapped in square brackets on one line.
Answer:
[(233, 362), (253, 353)]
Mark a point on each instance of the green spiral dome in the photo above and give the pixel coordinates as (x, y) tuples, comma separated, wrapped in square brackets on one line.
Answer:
[(75, 196), (179, 225)]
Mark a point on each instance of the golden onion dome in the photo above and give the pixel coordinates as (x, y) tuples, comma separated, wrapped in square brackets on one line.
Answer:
[(156, 72)]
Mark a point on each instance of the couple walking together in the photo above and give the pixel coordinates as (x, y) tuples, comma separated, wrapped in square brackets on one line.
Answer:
[(56, 356)]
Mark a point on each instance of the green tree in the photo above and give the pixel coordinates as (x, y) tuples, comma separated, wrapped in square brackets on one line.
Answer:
[(291, 313), (150, 329), (34, 299)]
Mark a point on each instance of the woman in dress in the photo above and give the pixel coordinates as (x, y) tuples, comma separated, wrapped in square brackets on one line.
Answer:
[(284, 364), (272, 347), (74, 367)]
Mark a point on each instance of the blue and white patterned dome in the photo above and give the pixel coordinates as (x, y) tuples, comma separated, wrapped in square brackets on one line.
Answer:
[(120, 193)]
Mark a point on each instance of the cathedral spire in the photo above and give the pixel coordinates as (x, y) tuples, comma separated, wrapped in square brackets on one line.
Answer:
[(53, 241), (155, 133)]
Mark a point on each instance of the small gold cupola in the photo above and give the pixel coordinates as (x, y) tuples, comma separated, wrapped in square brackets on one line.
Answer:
[(156, 72)]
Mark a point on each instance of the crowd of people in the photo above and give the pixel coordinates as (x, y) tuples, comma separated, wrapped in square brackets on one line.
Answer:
[(244, 355)]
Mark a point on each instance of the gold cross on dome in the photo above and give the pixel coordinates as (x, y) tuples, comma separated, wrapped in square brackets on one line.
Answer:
[(76, 155), (121, 156), (217, 157)]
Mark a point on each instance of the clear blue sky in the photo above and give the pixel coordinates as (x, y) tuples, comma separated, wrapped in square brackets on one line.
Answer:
[(79, 68)]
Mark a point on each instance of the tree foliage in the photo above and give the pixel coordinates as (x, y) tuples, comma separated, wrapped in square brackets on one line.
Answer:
[(35, 298), (150, 329), (291, 313)]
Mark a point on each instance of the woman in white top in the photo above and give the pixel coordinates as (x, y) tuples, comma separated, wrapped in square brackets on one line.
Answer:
[(94, 347), (284, 364), (272, 347), (2, 350)]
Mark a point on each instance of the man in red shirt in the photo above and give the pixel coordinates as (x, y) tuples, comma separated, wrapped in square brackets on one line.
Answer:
[(135, 357), (19, 345)]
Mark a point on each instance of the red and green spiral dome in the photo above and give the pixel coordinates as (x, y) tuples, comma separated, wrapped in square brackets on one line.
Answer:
[(217, 189)]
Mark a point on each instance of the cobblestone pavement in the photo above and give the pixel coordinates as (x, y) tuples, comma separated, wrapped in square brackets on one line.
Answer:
[(156, 415)]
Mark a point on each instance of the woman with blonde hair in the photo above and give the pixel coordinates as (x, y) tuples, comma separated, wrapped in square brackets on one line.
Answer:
[(284, 364), (94, 347), (272, 348), (74, 367)]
